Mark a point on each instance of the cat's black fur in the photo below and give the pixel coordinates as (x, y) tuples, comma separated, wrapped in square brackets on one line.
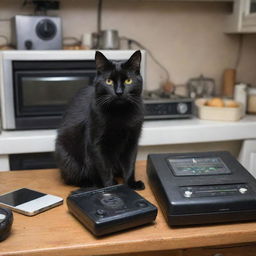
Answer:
[(98, 138)]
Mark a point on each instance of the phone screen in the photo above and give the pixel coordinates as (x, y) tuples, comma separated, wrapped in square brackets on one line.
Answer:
[(20, 196)]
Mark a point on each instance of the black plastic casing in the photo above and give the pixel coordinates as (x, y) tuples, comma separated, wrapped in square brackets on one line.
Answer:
[(84, 207), (6, 224), (179, 210)]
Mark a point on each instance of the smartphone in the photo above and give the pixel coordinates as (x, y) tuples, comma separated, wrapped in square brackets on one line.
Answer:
[(29, 202)]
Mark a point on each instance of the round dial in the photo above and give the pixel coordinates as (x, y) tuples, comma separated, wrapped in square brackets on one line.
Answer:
[(112, 201), (182, 108), (46, 29)]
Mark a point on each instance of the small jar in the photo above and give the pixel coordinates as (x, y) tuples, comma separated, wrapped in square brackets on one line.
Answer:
[(240, 95), (251, 106)]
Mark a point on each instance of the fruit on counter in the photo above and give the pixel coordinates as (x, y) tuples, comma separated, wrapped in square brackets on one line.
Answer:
[(231, 104), (218, 102), (215, 102)]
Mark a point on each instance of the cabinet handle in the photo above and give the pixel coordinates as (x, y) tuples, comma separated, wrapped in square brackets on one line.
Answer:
[(218, 254)]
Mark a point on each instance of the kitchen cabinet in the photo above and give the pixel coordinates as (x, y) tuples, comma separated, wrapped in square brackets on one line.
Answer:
[(247, 156), (243, 18)]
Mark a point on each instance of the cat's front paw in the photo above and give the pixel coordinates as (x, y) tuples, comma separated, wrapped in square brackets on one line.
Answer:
[(137, 185), (110, 183)]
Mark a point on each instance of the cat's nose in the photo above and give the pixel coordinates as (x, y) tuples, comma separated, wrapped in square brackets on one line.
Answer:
[(119, 91)]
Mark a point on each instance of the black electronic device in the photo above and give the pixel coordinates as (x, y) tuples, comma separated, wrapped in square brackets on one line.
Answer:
[(111, 209), (171, 106), (6, 220), (201, 188)]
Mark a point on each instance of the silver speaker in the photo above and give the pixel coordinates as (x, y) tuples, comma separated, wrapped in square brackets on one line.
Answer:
[(36, 33)]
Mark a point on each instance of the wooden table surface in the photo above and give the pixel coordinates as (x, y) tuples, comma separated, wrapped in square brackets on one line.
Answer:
[(57, 232)]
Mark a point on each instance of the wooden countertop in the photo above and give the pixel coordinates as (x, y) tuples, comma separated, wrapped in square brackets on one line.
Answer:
[(57, 232)]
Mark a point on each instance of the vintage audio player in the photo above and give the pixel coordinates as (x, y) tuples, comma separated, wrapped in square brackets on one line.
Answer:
[(200, 188), (171, 106)]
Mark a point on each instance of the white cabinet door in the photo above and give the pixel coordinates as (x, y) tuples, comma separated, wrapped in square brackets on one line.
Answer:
[(243, 18), (247, 156), (249, 16)]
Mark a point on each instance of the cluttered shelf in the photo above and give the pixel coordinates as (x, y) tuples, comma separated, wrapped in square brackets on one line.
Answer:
[(161, 132)]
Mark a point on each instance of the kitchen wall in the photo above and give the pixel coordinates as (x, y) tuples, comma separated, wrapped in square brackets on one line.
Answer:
[(246, 72), (186, 37)]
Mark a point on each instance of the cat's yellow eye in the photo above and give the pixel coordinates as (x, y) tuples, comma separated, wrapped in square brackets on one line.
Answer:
[(109, 82), (128, 81)]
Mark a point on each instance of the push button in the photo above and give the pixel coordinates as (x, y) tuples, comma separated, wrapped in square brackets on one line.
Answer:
[(243, 190), (100, 212), (188, 193)]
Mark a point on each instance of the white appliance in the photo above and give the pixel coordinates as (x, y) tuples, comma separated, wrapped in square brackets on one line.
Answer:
[(36, 86)]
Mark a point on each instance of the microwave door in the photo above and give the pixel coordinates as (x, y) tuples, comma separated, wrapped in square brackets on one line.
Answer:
[(47, 94)]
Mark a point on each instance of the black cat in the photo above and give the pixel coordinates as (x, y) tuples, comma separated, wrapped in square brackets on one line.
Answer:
[(98, 138)]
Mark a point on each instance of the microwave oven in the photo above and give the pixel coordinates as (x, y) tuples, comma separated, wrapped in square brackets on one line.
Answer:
[(36, 86)]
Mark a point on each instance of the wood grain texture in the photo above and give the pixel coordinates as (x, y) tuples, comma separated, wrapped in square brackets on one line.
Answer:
[(57, 232)]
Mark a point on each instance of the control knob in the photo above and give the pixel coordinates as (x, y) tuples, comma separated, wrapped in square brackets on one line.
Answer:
[(28, 44), (46, 29), (182, 108)]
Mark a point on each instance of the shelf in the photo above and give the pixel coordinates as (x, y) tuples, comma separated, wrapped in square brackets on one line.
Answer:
[(196, 131), (162, 132)]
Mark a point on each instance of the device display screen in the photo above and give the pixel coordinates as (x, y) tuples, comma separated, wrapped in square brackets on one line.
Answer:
[(198, 166), (20, 196)]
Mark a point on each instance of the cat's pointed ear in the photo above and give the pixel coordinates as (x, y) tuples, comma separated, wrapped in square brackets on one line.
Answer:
[(134, 61), (102, 63)]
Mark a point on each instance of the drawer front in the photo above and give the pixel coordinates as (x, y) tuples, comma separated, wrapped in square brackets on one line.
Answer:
[(239, 250)]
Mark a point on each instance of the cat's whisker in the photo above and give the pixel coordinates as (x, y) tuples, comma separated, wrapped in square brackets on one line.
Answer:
[(102, 100), (136, 102)]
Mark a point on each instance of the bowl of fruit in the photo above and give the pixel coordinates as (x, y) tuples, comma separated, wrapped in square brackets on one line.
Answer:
[(219, 109)]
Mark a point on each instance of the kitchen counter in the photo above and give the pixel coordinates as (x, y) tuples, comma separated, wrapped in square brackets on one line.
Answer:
[(162, 132), (57, 232)]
